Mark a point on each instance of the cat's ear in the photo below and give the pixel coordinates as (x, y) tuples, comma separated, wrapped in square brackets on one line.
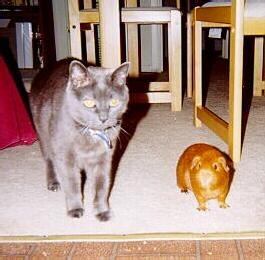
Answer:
[(78, 74), (120, 74)]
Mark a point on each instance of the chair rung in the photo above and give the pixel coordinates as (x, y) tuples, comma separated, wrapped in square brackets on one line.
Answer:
[(215, 25), (158, 86), (254, 26), (215, 123), (146, 15), (89, 16), (151, 97), (217, 14)]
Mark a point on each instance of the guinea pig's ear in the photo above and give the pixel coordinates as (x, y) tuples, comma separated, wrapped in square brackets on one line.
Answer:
[(196, 163), (222, 161)]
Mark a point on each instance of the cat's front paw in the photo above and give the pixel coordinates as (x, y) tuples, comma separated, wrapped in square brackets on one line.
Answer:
[(103, 216), (54, 186), (76, 213)]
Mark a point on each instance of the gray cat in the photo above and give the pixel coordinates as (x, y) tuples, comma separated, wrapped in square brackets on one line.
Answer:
[(77, 112)]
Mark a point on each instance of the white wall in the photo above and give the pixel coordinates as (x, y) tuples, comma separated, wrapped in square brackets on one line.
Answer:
[(61, 21), (151, 43)]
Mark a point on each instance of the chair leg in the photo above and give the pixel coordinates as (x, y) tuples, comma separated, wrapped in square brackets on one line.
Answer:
[(189, 55), (133, 52), (174, 68), (197, 50), (132, 42), (235, 84), (259, 83), (74, 27), (109, 17), (90, 38), (90, 45)]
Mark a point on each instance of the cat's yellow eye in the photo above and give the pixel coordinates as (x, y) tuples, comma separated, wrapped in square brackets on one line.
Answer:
[(114, 102), (89, 103)]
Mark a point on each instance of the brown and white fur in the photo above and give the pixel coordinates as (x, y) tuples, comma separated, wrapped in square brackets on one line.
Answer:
[(207, 172)]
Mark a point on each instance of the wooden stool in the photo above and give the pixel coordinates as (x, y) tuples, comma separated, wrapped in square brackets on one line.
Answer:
[(161, 92), (244, 18)]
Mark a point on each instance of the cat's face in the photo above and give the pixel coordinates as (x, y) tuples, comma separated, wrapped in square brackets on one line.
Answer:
[(97, 97)]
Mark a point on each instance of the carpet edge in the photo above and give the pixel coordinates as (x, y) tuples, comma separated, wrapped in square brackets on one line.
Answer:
[(135, 237)]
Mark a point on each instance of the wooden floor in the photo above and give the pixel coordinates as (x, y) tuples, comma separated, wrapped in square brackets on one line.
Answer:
[(166, 250)]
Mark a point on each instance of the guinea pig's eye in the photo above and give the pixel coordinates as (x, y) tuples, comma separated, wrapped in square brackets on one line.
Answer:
[(114, 102), (89, 103), (215, 166), (199, 165)]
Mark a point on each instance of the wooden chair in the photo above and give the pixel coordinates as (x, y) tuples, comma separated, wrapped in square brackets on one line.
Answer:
[(158, 92), (133, 49), (161, 92), (242, 19), (77, 18), (133, 39)]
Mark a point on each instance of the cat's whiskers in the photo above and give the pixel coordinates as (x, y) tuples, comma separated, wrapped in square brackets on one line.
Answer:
[(84, 130), (118, 137), (125, 132)]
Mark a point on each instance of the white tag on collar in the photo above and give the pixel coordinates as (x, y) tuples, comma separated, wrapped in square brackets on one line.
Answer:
[(102, 136)]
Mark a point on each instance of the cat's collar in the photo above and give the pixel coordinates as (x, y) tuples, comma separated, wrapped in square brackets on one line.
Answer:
[(102, 136)]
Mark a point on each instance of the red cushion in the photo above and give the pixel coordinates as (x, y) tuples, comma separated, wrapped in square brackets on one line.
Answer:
[(16, 127)]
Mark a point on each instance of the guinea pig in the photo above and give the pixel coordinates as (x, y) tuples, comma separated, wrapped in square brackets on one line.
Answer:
[(207, 172)]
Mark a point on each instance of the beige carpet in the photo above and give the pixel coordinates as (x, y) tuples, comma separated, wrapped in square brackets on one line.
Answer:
[(144, 198)]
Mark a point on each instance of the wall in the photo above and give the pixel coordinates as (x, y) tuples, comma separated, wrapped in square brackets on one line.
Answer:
[(62, 38)]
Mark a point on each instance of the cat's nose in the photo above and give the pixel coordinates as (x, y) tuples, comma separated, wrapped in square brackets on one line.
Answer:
[(103, 117)]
